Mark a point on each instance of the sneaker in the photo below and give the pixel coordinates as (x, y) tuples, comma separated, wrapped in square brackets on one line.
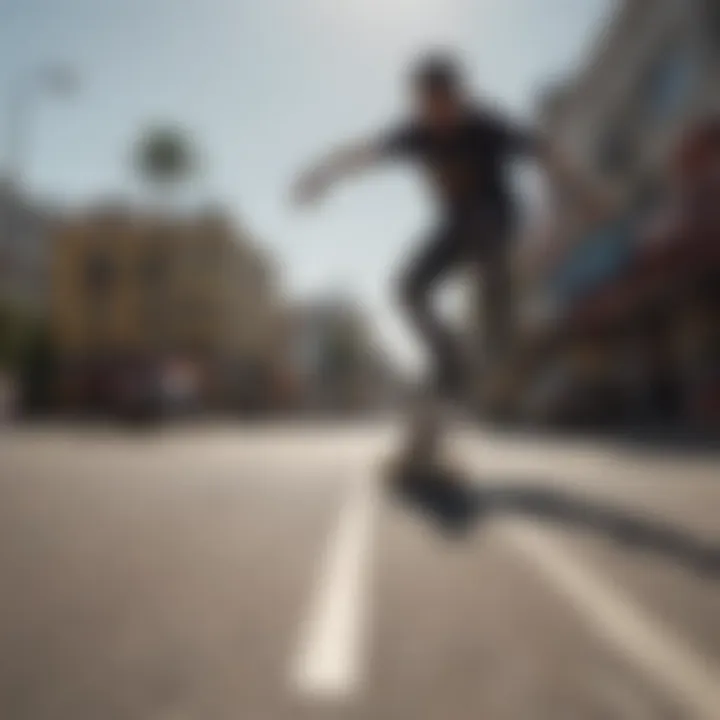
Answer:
[(437, 491)]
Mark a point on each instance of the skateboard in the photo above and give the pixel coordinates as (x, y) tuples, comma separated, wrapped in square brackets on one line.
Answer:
[(424, 478)]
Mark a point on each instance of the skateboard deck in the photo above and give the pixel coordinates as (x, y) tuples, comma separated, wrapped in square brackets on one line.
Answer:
[(422, 476)]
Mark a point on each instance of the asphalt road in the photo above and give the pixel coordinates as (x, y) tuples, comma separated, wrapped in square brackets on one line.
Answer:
[(220, 572)]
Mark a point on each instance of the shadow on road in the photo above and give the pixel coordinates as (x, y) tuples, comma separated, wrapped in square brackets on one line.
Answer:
[(457, 505), (667, 442)]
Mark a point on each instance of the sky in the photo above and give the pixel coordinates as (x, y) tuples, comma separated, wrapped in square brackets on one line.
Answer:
[(263, 86)]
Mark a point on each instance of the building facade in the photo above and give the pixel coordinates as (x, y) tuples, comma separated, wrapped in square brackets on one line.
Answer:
[(335, 359), (653, 71), (651, 77), (142, 302)]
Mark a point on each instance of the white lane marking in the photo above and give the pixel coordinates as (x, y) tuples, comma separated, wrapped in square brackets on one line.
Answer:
[(664, 657), (328, 664)]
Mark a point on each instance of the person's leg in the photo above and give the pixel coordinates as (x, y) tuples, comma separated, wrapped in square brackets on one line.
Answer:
[(416, 287), (498, 319), (498, 304), (424, 475)]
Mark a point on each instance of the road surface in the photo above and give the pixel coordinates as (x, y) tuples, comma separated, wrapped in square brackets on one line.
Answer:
[(234, 573)]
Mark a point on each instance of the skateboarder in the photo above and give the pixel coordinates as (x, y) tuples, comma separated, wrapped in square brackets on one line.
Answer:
[(464, 147)]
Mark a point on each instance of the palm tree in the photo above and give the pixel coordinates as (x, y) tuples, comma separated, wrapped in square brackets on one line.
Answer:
[(165, 158)]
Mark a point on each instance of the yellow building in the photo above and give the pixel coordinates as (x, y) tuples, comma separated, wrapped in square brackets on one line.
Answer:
[(135, 291)]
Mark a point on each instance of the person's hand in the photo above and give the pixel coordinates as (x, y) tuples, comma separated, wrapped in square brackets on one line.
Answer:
[(309, 188)]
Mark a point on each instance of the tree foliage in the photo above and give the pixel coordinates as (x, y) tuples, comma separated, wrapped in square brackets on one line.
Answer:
[(165, 156), (17, 331)]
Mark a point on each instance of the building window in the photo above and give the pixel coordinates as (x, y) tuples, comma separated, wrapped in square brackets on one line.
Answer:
[(99, 275), (615, 153), (712, 14), (596, 260), (669, 83), (154, 267)]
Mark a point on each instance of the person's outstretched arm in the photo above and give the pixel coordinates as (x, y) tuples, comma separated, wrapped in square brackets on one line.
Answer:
[(353, 159), (596, 197), (343, 162)]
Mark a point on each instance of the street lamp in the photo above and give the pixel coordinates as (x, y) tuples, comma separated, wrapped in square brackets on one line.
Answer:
[(57, 80)]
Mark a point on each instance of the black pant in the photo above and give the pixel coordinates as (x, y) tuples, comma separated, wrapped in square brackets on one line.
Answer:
[(478, 239)]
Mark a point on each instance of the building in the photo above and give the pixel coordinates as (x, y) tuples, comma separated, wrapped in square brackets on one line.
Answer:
[(24, 250), (654, 70), (183, 308), (335, 359), (586, 302)]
